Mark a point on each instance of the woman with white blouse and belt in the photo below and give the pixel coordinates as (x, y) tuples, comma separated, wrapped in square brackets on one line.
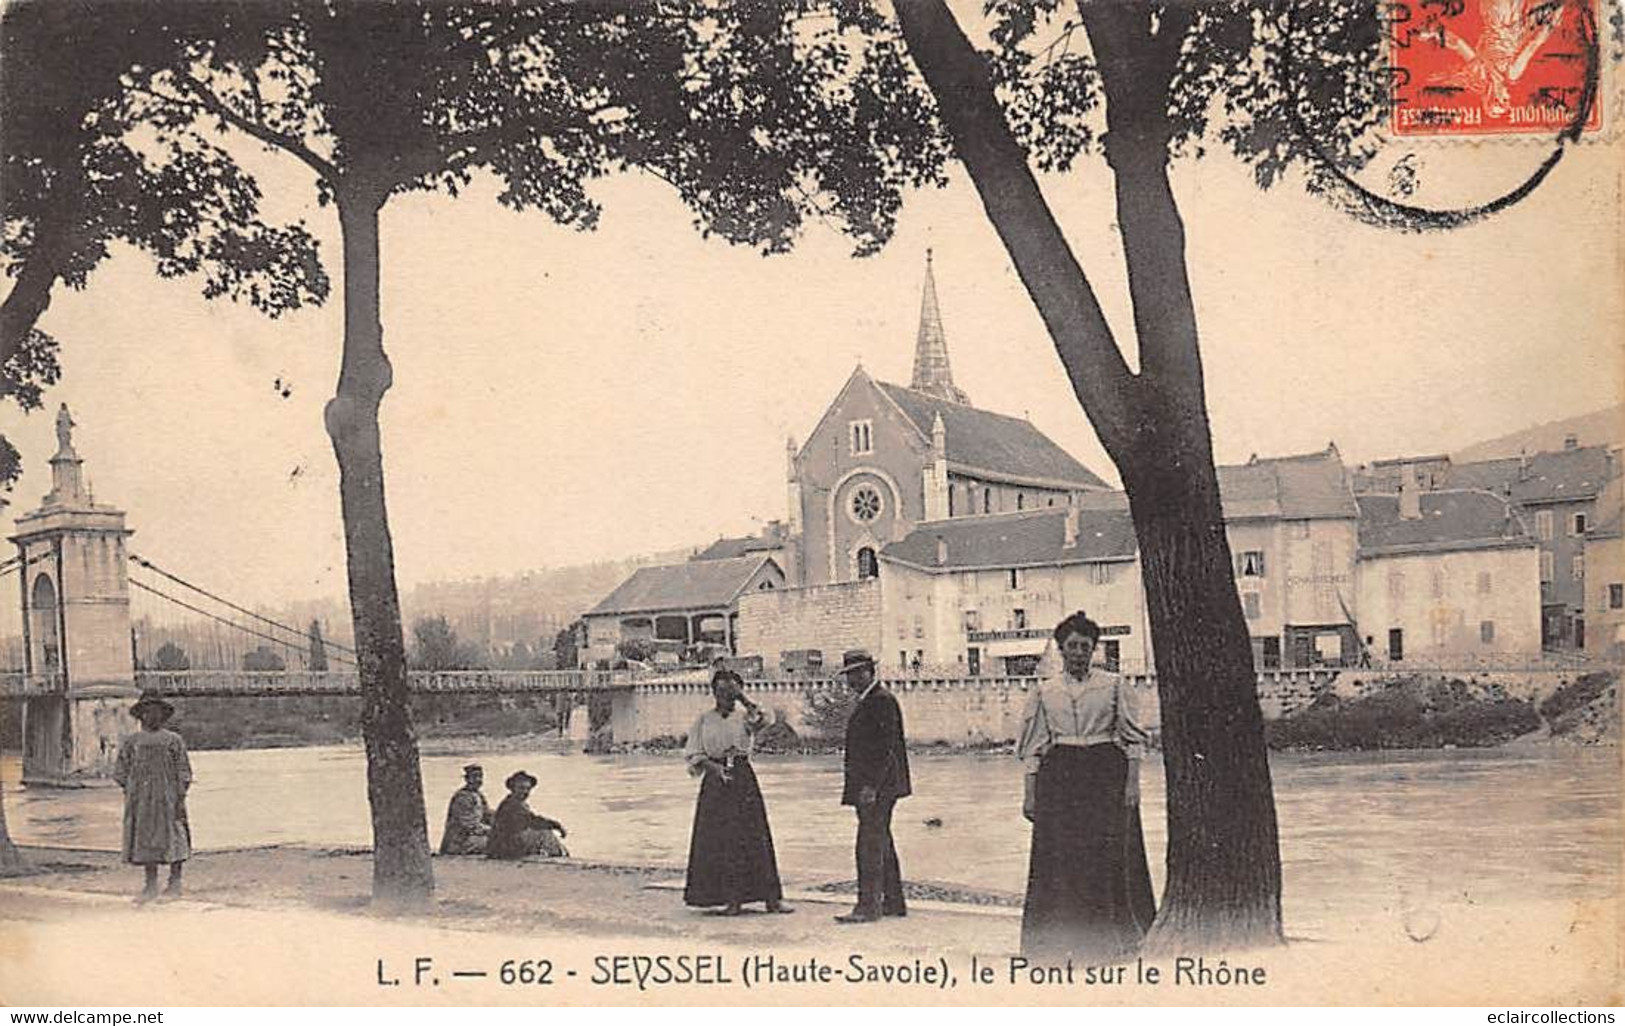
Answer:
[(730, 856), (1088, 884)]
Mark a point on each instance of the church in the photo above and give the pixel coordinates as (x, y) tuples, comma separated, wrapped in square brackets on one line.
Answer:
[(884, 458)]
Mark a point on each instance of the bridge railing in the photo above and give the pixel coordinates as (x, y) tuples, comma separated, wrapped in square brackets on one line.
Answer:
[(338, 682)]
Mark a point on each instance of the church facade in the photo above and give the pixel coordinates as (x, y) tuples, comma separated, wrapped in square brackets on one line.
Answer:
[(884, 458)]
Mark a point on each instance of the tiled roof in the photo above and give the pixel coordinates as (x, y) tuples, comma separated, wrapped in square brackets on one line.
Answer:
[(1307, 487), (1566, 474), (1451, 519), (992, 442), (730, 548), (1032, 538), (696, 584), (1315, 486)]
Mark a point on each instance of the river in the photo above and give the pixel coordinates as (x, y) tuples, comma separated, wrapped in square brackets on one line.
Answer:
[(1359, 831)]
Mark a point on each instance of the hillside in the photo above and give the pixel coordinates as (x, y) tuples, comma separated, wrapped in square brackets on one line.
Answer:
[(1601, 427)]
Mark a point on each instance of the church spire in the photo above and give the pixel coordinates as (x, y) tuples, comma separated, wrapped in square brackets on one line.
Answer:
[(932, 374)]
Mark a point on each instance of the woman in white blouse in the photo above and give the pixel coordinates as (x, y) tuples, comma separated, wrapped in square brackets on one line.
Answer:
[(1088, 885), (730, 855)]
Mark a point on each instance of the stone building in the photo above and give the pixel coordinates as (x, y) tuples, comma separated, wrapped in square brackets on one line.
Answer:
[(981, 595), (1605, 575), (678, 605), (884, 458), (1556, 494), (1447, 576)]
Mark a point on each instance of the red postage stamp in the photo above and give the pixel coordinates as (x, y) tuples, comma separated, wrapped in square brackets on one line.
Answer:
[(1493, 67)]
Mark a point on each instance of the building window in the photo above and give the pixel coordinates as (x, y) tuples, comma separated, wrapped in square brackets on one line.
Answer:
[(919, 626), (902, 659), (1111, 652), (987, 500), (1050, 501), (863, 442), (1579, 527), (1250, 564), (1486, 583), (1269, 653), (1014, 578), (951, 500), (1018, 619), (1396, 586), (1578, 568), (1438, 582), (1579, 632), (973, 661), (1021, 500), (1616, 596), (865, 504), (1486, 632), (765, 586), (868, 565), (1249, 604), (1548, 567), (919, 660), (902, 629), (973, 620), (1396, 645), (1543, 524), (1100, 573)]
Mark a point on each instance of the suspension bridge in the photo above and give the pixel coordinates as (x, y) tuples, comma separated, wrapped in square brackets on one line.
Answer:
[(76, 579)]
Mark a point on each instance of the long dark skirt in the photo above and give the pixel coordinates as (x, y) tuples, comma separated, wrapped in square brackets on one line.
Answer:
[(1088, 885), (730, 856)]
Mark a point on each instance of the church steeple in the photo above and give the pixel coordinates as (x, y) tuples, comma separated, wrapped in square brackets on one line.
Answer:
[(932, 374)]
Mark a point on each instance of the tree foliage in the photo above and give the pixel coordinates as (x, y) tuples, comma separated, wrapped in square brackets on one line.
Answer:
[(171, 658), (264, 659)]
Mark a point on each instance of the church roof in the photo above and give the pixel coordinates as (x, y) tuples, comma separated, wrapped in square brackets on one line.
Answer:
[(1011, 540), (1451, 520), (991, 443), (696, 584)]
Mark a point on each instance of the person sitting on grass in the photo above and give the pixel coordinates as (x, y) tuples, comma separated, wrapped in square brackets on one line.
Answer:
[(468, 817), (517, 832)]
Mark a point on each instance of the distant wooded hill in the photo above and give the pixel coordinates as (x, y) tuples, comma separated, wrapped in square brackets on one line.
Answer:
[(1602, 427)]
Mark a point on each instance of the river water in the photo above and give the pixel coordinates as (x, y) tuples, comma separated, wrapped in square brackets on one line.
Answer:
[(1359, 831)]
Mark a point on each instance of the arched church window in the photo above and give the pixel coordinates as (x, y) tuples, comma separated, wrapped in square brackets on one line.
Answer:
[(868, 565)]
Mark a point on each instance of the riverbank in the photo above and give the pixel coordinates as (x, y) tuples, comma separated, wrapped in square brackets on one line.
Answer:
[(286, 925)]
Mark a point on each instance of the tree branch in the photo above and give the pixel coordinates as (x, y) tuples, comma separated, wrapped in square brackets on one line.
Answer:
[(214, 105), (958, 77)]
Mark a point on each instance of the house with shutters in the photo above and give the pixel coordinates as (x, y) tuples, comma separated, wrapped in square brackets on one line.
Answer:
[(1448, 577), (1555, 492)]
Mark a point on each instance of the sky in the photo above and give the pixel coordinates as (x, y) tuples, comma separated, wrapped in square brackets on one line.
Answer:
[(563, 397)]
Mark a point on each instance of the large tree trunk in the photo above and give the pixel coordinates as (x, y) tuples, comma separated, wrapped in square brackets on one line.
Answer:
[(1224, 877), (1224, 867), (402, 873)]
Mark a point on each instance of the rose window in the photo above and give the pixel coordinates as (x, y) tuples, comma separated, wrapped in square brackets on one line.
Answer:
[(865, 504)]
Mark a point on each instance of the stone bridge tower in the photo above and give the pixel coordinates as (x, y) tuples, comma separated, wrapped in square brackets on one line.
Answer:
[(76, 627)]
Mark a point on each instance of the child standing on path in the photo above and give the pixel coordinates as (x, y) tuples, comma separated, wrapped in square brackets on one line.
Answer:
[(154, 772)]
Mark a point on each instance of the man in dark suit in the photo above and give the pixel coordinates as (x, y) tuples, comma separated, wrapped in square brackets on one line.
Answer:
[(876, 776)]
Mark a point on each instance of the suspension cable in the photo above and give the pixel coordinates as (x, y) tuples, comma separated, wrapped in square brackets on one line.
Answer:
[(229, 623), (148, 565)]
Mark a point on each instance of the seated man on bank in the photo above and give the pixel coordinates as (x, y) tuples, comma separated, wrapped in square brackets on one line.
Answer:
[(517, 832), (468, 817)]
